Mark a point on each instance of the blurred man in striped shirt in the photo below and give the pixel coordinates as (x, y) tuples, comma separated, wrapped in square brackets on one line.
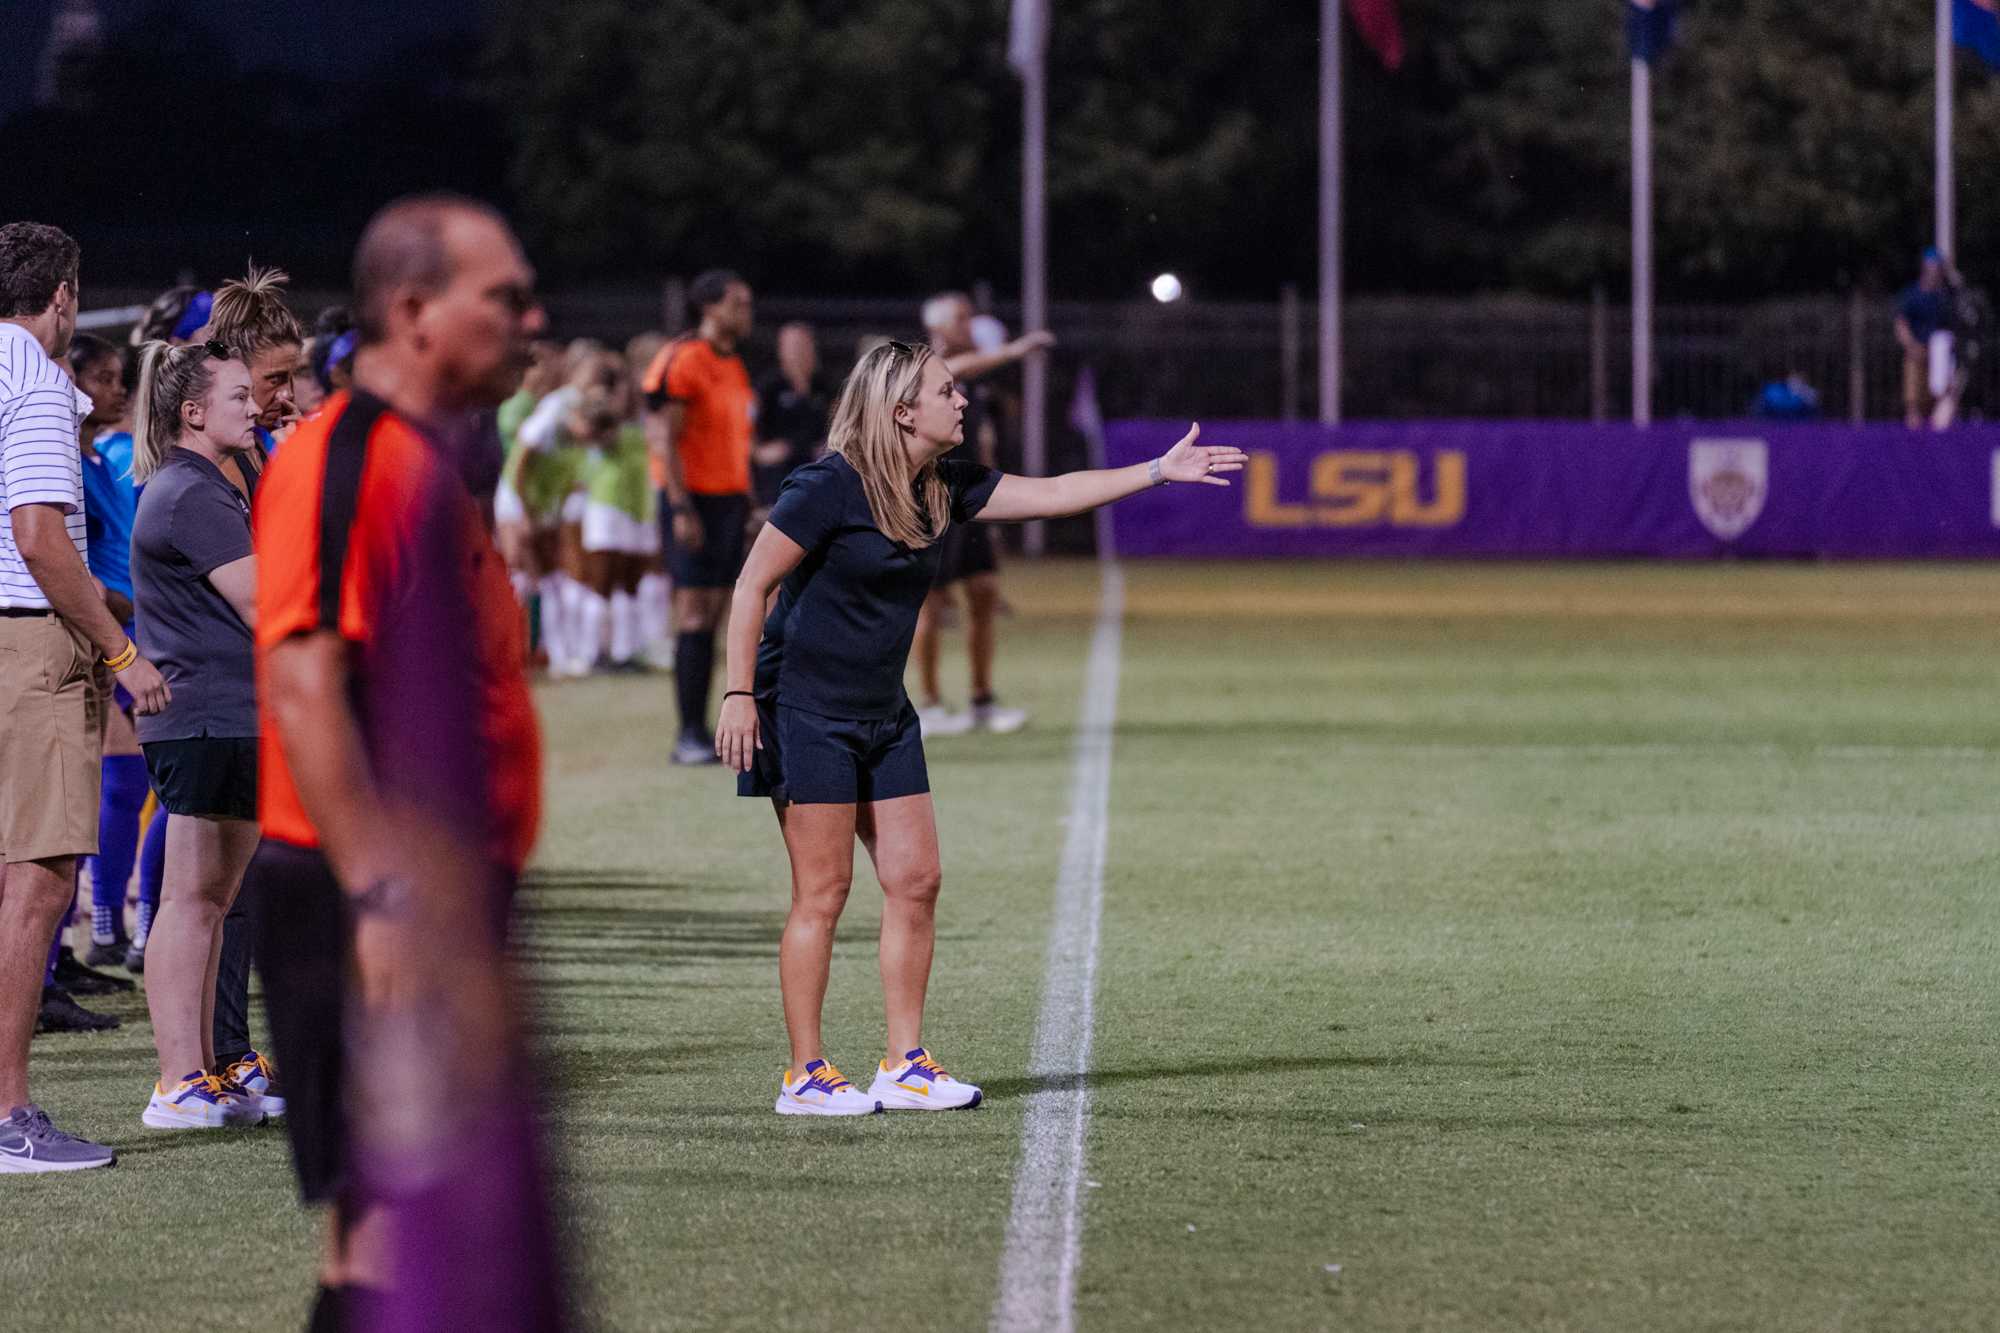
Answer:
[(56, 634)]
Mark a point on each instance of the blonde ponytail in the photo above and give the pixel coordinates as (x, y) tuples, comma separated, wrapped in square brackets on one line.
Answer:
[(168, 377)]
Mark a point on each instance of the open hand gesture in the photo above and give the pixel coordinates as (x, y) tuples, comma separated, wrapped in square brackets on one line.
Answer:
[(1189, 461)]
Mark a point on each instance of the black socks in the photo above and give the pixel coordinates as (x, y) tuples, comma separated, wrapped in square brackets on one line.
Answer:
[(694, 664)]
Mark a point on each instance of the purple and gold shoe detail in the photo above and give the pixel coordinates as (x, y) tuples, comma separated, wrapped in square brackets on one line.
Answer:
[(822, 1090), (919, 1083)]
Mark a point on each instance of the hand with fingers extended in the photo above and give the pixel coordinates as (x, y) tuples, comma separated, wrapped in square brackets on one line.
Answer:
[(1191, 461), (737, 736)]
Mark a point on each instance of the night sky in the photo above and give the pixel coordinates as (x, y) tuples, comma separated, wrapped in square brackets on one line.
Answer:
[(336, 37)]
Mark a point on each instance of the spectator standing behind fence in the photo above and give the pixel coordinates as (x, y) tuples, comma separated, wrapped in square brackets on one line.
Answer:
[(196, 582), (54, 630), (1923, 327)]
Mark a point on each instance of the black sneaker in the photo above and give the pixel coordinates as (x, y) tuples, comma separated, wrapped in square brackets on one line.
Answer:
[(107, 955), (61, 1013), (694, 748), (77, 979), (135, 958)]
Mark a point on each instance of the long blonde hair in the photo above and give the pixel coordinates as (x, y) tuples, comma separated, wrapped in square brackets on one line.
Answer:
[(912, 510), (168, 377)]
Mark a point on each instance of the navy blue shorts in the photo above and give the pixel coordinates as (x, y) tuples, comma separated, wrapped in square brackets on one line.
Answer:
[(719, 558), (812, 760)]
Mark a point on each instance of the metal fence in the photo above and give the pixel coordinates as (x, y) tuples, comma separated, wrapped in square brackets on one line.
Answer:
[(1406, 357)]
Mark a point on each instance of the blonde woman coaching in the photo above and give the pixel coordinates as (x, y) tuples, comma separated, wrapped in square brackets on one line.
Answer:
[(816, 718)]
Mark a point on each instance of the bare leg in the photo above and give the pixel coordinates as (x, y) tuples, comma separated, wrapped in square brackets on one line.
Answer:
[(925, 647), (32, 894), (901, 838), (236, 843), (982, 595), (205, 864), (820, 841)]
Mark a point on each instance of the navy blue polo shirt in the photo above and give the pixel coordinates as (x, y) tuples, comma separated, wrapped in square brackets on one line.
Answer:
[(838, 638)]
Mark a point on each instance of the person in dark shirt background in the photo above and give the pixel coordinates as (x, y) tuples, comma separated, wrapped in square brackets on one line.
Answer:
[(792, 408), (1922, 312)]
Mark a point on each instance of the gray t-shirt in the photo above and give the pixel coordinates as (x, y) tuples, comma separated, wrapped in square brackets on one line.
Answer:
[(191, 521)]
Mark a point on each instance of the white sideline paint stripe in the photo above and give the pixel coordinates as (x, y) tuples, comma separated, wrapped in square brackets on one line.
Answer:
[(1661, 750), (1038, 1265)]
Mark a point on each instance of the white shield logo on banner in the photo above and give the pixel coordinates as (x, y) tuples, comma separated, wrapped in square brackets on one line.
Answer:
[(1728, 480)]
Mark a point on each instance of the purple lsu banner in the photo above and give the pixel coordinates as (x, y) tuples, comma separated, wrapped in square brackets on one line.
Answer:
[(1489, 488)]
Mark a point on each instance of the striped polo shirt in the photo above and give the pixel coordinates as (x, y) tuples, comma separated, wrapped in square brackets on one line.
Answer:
[(40, 462)]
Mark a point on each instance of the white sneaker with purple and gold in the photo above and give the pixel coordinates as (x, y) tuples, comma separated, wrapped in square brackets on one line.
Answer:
[(919, 1083), (821, 1090)]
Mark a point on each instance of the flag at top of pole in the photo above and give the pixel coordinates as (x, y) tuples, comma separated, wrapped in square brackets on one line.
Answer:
[(1975, 25), (1028, 36), (1381, 28), (1649, 27)]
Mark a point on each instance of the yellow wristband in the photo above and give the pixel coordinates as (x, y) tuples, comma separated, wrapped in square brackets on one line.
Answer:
[(124, 659)]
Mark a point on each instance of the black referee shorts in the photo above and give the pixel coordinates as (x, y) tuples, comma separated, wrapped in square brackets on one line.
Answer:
[(719, 558)]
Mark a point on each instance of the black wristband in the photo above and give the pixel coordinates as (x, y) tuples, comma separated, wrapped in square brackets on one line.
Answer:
[(731, 694)]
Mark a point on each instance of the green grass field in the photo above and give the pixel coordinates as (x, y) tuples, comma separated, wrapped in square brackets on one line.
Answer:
[(1484, 947)]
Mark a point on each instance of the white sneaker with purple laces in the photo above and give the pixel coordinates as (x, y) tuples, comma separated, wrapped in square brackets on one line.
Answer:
[(821, 1090), (919, 1083)]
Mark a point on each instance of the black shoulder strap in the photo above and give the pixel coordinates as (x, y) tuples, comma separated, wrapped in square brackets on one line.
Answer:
[(340, 497)]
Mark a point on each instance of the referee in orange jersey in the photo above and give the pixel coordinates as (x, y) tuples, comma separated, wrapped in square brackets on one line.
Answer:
[(700, 413)]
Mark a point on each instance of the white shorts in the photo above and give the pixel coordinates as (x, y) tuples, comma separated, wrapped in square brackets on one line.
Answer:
[(573, 506), (609, 528), (507, 506)]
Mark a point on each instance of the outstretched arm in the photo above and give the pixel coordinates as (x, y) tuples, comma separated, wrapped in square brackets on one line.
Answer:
[(1020, 498), (971, 365)]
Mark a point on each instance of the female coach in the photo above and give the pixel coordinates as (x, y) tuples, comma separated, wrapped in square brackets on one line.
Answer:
[(816, 718), (194, 576)]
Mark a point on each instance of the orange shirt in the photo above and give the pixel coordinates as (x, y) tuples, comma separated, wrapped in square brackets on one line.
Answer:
[(334, 538), (719, 406)]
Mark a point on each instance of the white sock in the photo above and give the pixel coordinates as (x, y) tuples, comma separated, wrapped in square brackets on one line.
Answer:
[(576, 648), (656, 609), (624, 626), (590, 617), (555, 625)]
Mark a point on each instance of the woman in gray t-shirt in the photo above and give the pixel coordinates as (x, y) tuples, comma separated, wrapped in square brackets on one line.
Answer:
[(194, 580)]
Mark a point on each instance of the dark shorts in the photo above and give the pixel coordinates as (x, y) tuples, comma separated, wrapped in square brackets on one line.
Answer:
[(719, 558), (211, 777), (300, 918), (812, 760), (967, 549)]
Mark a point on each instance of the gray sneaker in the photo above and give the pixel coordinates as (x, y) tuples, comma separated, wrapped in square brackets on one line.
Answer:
[(30, 1144), (695, 749)]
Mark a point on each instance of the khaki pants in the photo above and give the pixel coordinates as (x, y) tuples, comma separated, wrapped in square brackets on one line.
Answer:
[(52, 708)]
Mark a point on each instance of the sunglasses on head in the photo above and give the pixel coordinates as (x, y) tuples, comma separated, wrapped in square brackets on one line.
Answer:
[(216, 350)]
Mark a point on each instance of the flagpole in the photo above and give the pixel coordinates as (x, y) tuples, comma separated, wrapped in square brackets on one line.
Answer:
[(1642, 242), (1947, 222), (1034, 268), (1330, 163)]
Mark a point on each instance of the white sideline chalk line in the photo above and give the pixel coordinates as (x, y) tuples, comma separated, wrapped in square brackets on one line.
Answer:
[(1038, 1265)]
